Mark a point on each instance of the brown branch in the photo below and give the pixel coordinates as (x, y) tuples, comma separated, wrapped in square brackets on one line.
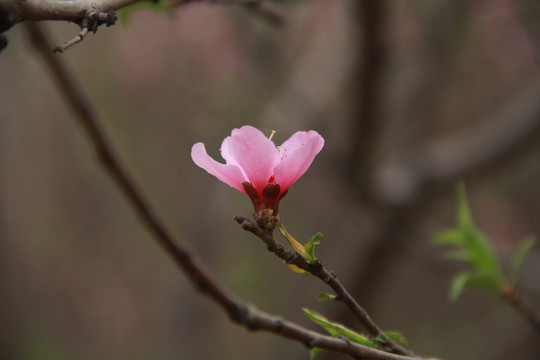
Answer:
[(319, 271), (15, 11), (518, 301), (265, 9), (37, 10), (448, 158), (90, 14), (367, 120), (77, 39), (510, 124), (238, 310), (92, 19)]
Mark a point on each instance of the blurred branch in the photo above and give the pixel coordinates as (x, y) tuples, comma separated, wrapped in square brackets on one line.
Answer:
[(366, 119), (238, 310), (266, 9), (90, 22), (319, 271), (16, 11), (450, 157), (90, 14), (515, 298), (441, 162)]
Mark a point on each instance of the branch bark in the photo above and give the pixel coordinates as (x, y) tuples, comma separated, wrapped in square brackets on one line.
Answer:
[(239, 311), (89, 14), (367, 121), (16, 11), (513, 296)]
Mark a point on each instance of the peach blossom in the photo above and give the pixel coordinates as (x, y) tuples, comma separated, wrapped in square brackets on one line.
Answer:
[(255, 166)]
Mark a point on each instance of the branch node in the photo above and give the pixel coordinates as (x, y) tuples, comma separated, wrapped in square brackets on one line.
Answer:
[(278, 325), (310, 344), (90, 22), (245, 223)]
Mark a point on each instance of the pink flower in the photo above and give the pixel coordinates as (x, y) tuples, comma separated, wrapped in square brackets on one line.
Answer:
[(256, 167)]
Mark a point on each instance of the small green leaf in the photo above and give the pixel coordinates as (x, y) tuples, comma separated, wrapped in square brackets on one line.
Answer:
[(458, 285), (325, 296), (314, 352), (393, 335), (466, 279), (397, 337), (519, 256), (337, 329), (296, 269), (299, 248), (464, 218), (316, 240), (449, 237), (471, 247), (458, 255)]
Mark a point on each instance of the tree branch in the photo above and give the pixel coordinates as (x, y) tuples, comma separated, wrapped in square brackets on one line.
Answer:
[(36, 10), (89, 14), (238, 310), (319, 271), (448, 158), (367, 121), (518, 301), (456, 154)]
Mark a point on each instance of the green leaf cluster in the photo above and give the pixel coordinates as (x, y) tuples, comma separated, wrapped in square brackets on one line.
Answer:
[(471, 247), (336, 329)]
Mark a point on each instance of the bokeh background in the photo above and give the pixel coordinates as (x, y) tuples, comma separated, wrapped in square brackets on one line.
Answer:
[(411, 97)]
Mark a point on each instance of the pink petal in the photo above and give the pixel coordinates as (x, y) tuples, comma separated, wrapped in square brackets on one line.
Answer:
[(229, 174), (297, 154), (250, 150)]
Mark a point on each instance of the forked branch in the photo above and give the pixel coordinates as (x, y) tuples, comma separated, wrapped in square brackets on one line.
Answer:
[(319, 271)]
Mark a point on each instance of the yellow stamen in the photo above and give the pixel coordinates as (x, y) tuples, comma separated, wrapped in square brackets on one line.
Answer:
[(272, 135)]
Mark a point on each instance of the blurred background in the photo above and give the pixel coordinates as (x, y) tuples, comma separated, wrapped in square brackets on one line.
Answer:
[(410, 96)]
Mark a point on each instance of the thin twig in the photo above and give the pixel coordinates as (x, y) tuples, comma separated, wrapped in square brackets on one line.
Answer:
[(318, 270), (90, 22), (77, 39), (238, 310), (516, 298)]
